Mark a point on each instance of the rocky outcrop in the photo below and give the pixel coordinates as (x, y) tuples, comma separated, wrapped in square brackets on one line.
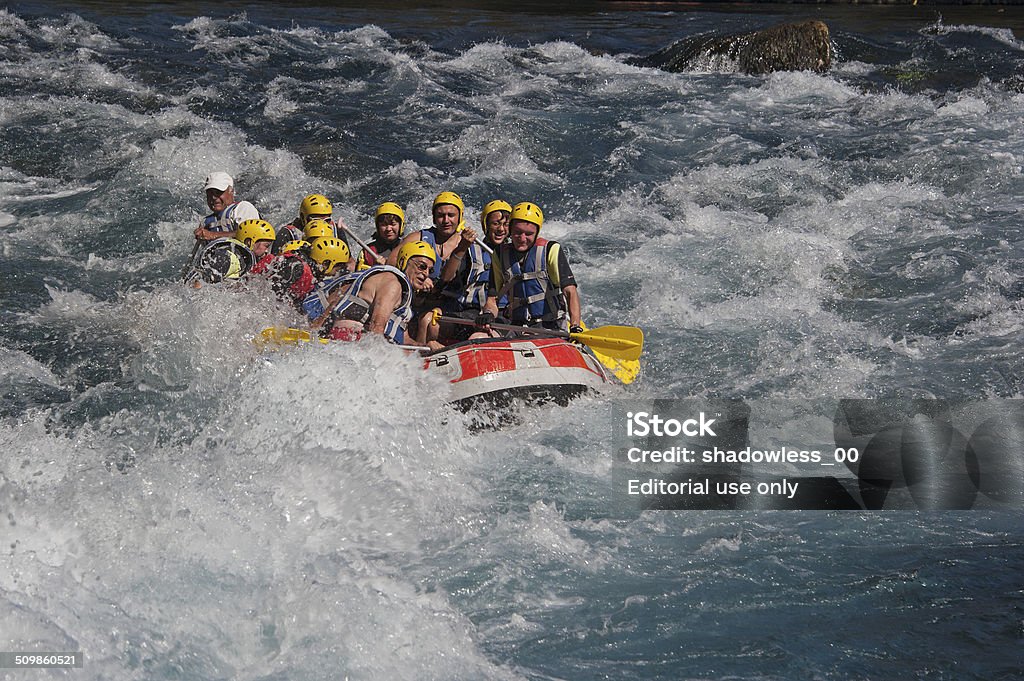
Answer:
[(803, 46)]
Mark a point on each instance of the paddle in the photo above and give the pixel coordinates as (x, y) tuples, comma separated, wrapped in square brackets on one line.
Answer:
[(626, 370), (191, 261), (480, 243), (616, 347), (381, 260), (291, 336), (622, 342), (284, 336)]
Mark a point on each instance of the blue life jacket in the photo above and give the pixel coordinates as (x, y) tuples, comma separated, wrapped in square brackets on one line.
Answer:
[(534, 294), (352, 307), (224, 221), (470, 292), (430, 236)]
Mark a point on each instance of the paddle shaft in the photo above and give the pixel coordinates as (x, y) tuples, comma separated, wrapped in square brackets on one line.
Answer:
[(625, 370), (620, 342), (478, 242), (366, 249), (417, 348), (294, 336), (507, 327), (191, 260)]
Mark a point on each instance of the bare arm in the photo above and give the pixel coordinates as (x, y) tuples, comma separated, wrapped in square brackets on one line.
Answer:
[(572, 299), (203, 234), (467, 238), (386, 297)]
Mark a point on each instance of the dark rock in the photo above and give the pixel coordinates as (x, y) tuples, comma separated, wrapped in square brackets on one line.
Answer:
[(803, 46)]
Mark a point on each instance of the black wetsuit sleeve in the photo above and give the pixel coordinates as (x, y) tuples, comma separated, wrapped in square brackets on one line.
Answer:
[(565, 275)]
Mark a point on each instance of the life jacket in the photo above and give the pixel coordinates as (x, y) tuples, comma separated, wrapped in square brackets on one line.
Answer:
[(531, 284), (224, 258), (352, 307), (224, 221), (272, 265), (470, 292), (302, 286), (430, 236), (264, 264), (379, 248)]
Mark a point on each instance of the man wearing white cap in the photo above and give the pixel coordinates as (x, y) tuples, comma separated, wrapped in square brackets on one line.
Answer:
[(227, 212)]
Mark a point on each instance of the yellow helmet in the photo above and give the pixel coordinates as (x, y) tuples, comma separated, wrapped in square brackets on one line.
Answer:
[(328, 253), (414, 248), (450, 198), (251, 231), (295, 245), (391, 208), (530, 212), (314, 204), (315, 229), (492, 206)]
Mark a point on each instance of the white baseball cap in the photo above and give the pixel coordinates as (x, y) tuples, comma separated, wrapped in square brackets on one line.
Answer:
[(219, 181)]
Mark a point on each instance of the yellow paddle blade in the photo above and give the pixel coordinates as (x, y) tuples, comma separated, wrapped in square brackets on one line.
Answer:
[(626, 370), (618, 342), (276, 335)]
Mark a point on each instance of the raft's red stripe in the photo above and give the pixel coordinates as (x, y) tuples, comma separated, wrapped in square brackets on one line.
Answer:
[(494, 358), (563, 354)]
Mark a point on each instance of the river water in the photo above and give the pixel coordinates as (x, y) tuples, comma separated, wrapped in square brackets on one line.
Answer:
[(175, 505)]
